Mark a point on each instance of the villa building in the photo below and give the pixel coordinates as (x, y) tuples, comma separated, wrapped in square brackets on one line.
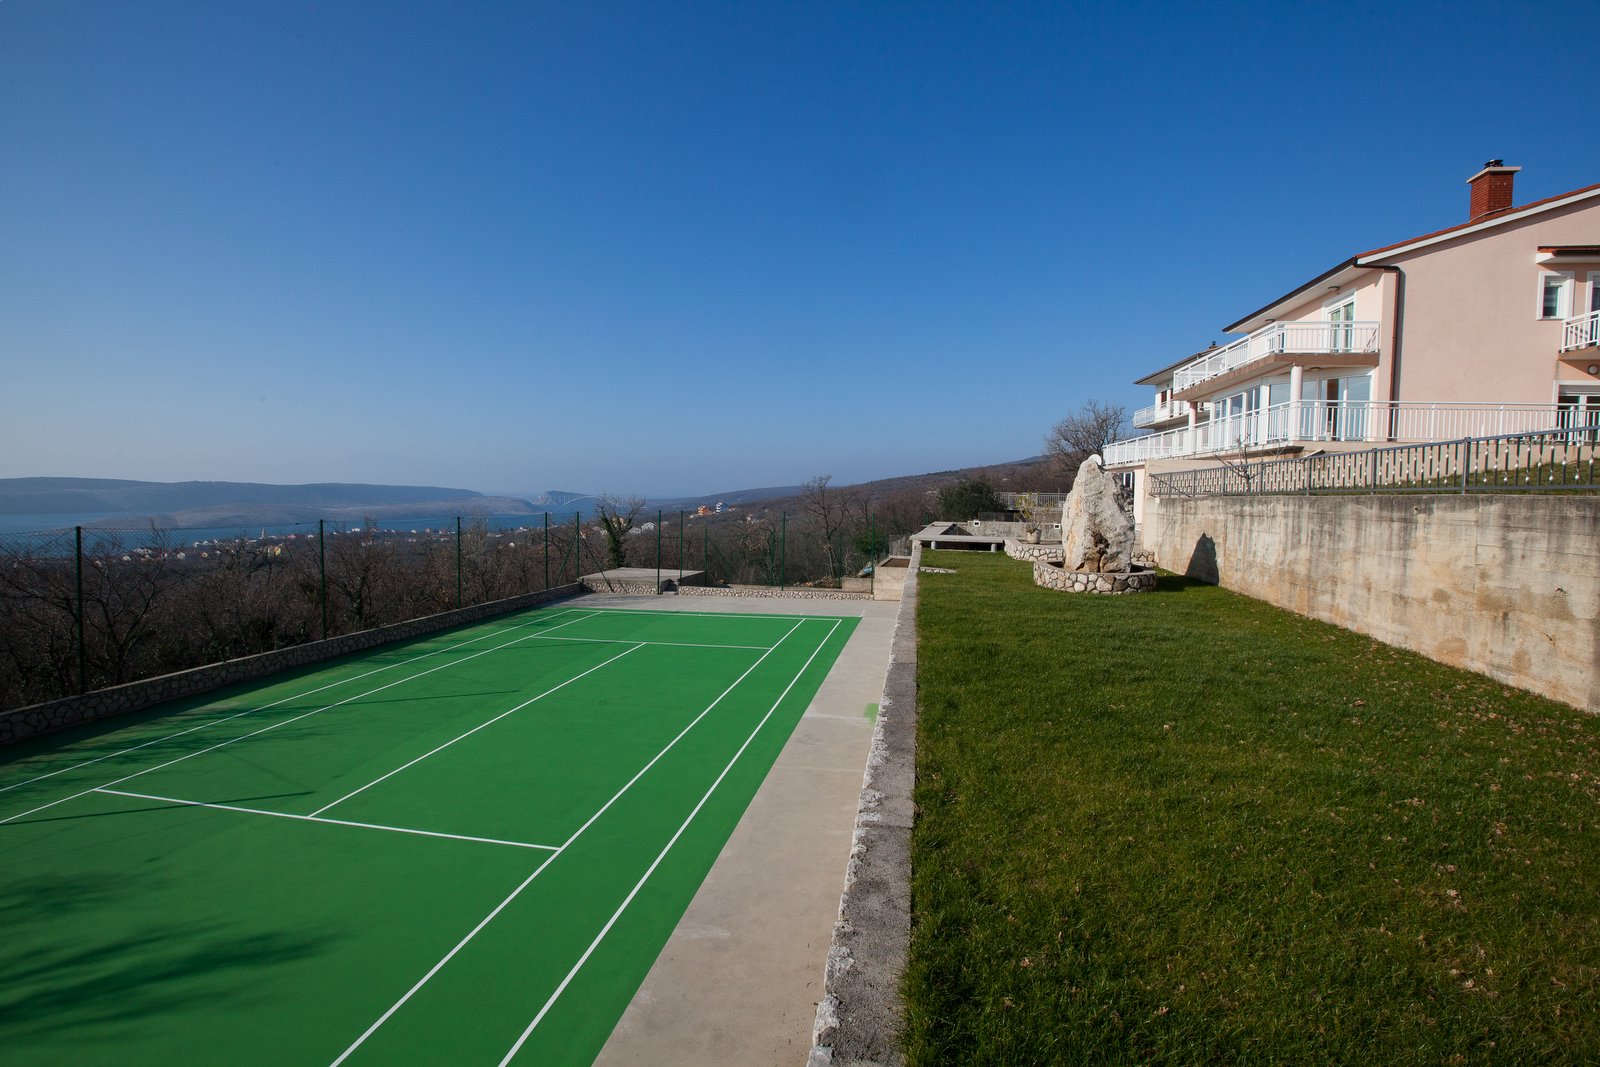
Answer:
[(1488, 327)]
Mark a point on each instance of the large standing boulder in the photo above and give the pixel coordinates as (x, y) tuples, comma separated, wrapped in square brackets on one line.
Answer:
[(1095, 532)]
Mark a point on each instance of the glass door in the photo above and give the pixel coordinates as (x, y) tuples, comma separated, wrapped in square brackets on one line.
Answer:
[(1341, 332)]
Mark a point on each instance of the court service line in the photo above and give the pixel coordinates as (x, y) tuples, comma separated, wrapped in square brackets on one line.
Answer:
[(276, 725), (313, 818), (275, 703), (526, 882), (627, 900), (476, 728)]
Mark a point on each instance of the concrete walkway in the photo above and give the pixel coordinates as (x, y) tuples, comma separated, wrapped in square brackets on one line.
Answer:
[(739, 980)]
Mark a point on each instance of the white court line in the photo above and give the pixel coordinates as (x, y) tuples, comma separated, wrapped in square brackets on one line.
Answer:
[(264, 707), (526, 882), (283, 722), (332, 822), (475, 729), (627, 900), (663, 644)]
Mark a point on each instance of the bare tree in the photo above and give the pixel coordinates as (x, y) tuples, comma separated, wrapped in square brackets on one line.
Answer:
[(828, 508), (1084, 433), (616, 515)]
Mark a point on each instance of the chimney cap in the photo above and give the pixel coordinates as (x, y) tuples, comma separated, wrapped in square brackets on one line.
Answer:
[(1494, 166)]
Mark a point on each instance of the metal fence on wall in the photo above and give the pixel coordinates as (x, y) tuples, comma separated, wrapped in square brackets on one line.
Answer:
[(89, 607), (1551, 460)]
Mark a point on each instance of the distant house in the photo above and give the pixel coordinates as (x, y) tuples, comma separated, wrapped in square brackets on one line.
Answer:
[(1491, 326)]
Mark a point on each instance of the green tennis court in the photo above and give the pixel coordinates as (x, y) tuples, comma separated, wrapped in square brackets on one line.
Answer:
[(463, 849)]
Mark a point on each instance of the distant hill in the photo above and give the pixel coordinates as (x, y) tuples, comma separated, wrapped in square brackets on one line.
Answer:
[(1034, 474), (37, 503), (101, 501)]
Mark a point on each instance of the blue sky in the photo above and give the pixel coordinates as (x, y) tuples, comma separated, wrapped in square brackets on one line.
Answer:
[(690, 247)]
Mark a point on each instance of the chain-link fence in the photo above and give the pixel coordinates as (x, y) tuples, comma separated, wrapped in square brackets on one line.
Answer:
[(90, 607)]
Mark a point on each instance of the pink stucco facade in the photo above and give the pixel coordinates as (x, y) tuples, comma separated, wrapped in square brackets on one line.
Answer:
[(1456, 333)]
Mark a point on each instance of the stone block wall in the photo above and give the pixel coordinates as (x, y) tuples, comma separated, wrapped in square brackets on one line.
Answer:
[(1043, 552), (772, 592), (1055, 576), (22, 723), (1504, 584)]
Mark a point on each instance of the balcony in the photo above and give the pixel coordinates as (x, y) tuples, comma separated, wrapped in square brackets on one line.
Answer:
[(1311, 421), (1582, 331), (1277, 339), (1156, 414)]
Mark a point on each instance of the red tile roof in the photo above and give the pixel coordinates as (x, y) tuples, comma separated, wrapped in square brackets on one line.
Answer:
[(1488, 217)]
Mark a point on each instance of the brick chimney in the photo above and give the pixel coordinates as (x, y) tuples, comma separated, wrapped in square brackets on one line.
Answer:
[(1491, 189)]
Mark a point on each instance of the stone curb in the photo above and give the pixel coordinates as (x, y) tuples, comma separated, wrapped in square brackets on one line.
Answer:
[(35, 720), (859, 1017)]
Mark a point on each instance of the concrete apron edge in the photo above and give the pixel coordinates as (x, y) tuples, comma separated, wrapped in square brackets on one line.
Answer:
[(859, 1017)]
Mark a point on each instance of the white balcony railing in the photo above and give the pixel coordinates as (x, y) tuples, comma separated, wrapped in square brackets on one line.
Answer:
[(1159, 413), (1580, 332), (1320, 420), (1275, 338)]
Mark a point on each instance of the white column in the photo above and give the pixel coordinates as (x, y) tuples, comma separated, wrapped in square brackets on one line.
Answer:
[(1191, 444), (1263, 427), (1297, 375)]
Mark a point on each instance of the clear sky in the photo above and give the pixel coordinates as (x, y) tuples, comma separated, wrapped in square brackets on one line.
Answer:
[(674, 248)]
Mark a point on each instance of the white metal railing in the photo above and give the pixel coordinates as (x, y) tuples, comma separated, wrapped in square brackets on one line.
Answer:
[(1321, 420), (1172, 409), (1580, 332), (1321, 338)]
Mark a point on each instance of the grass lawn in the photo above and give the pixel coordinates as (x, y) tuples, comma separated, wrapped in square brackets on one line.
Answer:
[(1187, 827)]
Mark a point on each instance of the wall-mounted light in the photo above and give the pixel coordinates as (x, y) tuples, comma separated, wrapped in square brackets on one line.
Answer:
[(1594, 368)]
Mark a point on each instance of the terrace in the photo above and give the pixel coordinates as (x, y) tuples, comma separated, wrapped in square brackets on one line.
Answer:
[(1357, 421), (1279, 339)]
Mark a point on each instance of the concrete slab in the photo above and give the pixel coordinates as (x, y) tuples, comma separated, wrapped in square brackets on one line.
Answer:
[(739, 979), (640, 580)]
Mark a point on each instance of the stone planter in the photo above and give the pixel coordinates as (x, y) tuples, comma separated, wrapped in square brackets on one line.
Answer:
[(1113, 583)]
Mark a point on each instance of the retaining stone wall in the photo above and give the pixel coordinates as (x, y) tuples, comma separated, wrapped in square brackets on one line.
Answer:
[(789, 592), (615, 586), (1504, 584), (37, 719)]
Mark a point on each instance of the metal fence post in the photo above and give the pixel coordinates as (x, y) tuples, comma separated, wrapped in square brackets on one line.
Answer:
[(1466, 461), (783, 552), (458, 562), (547, 550), (83, 669), (658, 552), (680, 544), (872, 540), (322, 572)]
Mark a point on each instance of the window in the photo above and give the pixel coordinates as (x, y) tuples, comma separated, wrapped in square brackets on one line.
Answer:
[(1341, 335), (1555, 295)]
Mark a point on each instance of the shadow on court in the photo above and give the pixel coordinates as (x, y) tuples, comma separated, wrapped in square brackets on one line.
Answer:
[(79, 979)]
